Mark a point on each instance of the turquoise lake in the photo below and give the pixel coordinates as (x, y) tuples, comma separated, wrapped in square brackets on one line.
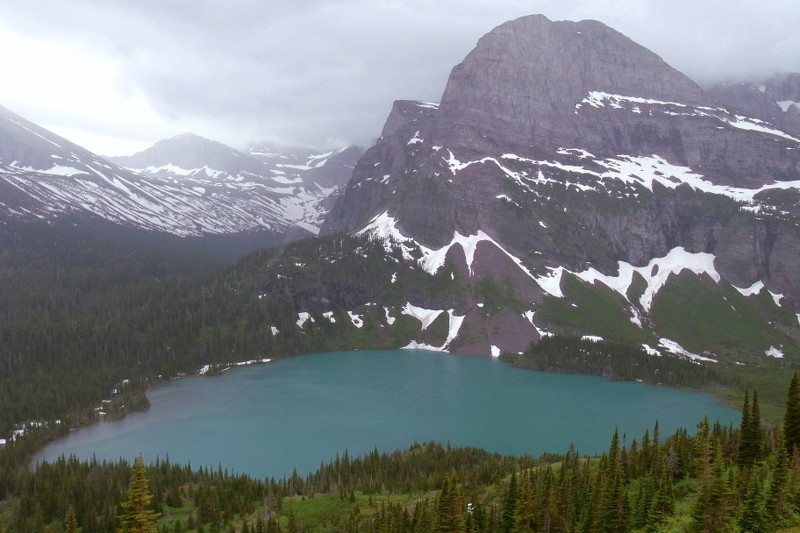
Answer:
[(266, 420)]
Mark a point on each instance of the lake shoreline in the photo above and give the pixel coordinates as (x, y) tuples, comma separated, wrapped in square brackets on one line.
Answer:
[(353, 383), (217, 370)]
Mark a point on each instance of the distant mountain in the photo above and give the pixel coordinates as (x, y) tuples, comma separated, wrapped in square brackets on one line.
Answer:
[(775, 100), (185, 186), (594, 190)]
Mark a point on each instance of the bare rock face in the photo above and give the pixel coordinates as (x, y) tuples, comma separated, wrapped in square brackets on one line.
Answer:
[(523, 80), (775, 100), (573, 146)]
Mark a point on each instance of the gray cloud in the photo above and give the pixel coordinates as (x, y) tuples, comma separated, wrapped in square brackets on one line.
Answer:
[(326, 71)]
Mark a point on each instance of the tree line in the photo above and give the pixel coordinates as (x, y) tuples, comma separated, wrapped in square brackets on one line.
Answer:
[(612, 359)]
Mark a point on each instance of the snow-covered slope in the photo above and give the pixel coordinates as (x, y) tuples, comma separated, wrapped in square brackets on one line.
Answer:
[(187, 186)]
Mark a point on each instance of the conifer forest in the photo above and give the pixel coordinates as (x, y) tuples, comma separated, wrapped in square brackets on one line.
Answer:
[(138, 316)]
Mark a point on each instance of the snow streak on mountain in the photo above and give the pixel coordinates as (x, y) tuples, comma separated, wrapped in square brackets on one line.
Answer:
[(186, 186)]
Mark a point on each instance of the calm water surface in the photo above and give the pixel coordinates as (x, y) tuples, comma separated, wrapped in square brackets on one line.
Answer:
[(298, 412)]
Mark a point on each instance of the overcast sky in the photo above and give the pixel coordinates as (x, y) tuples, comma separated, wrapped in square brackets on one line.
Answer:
[(115, 76)]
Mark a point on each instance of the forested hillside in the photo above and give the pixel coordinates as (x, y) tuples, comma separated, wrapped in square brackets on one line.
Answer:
[(88, 318), (146, 311)]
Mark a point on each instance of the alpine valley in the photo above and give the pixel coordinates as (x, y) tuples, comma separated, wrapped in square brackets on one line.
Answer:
[(568, 183), (572, 204)]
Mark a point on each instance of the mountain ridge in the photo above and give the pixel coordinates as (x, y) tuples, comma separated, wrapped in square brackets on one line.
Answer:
[(185, 186), (566, 147)]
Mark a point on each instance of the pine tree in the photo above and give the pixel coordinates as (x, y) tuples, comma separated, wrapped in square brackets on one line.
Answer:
[(137, 518), (743, 454), (791, 420), (449, 514), (525, 517), (756, 431), (776, 502), (72, 522), (508, 518), (291, 522), (753, 518), (712, 510)]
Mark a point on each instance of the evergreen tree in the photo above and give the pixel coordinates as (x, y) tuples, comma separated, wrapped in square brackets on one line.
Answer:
[(137, 518), (712, 510), (756, 431), (743, 454), (753, 518), (72, 522), (751, 435), (791, 420), (508, 518), (614, 508), (449, 514), (776, 502), (526, 510), (292, 525)]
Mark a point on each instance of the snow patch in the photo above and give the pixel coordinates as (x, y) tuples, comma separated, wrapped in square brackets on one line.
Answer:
[(592, 338), (755, 288), (776, 298), (384, 227), (329, 316), (675, 348), (495, 351), (774, 352), (356, 319), (414, 345), (304, 317), (578, 152), (529, 316), (416, 139), (649, 350), (454, 326), (389, 318), (655, 273), (426, 316), (599, 99)]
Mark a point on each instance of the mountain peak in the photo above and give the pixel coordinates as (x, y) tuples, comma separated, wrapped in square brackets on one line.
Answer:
[(524, 78)]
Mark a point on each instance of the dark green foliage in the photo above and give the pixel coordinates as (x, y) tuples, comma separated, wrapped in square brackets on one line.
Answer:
[(509, 506), (599, 311), (614, 360), (751, 434), (791, 420), (449, 508), (147, 313), (700, 315), (713, 510), (754, 517)]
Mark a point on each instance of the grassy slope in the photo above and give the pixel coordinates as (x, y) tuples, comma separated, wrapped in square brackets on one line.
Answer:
[(701, 316)]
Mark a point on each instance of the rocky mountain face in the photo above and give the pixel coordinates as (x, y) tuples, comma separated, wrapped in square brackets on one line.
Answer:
[(775, 100), (565, 150), (185, 186)]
